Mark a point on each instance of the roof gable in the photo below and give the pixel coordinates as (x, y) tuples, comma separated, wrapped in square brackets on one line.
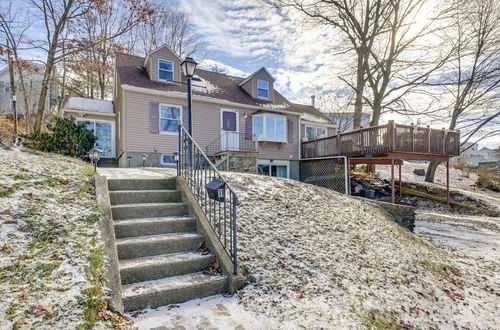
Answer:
[(253, 74), (146, 59)]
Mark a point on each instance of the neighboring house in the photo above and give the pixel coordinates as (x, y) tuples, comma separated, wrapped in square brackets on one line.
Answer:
[(100, 118), (345, 120), (234, 119), (473, 156), (33, 76)]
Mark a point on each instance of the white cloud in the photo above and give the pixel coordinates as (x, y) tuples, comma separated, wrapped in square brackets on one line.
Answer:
[(208, 64)]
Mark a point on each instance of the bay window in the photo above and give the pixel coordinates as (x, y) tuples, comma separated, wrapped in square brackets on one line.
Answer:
[(270, 128)]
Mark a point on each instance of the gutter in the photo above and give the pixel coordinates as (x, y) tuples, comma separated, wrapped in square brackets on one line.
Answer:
[(207, 99), (83, 112)]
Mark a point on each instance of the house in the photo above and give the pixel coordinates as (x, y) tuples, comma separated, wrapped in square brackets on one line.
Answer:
[(345, 120), (99, 116), (472, 156), (33, 76), (241, 123)]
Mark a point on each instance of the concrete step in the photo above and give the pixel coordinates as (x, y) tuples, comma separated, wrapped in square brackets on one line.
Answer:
[(164, 265), (171, 290), (148, 210), (144, 196), (152, 226), (143, 246), (142, 184)]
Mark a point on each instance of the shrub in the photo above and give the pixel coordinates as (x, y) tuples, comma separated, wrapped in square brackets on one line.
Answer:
[(63, 136)]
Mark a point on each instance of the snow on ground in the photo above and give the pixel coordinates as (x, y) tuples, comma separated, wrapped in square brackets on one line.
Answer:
[(50, 248), (320, 259), (216, 312), (317, 259), (458, 178)]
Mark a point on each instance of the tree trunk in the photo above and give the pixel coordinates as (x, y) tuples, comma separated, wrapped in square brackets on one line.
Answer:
[(431, 171), (43, 92), (360, 86)]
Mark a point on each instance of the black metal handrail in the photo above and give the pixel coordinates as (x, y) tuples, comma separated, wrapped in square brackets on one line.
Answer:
[(195, 167), (231, 141)]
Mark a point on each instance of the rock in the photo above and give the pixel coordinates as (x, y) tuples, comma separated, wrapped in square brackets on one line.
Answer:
[(419, 171)]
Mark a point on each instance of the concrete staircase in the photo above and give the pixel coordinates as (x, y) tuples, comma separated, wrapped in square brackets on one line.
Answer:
[(158, 246)]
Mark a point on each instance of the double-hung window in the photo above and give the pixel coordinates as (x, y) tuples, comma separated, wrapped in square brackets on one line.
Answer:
[(270, 128), (165, 70), (167, 159), (170, 118), (262, 89), (315, 132)]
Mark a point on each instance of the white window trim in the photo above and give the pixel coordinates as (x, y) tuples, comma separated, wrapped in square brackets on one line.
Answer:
[(277, 163), (161, 159), (173, 70), (268, 93), (316, 127), (159, 118), (113, 132), (264, 124)]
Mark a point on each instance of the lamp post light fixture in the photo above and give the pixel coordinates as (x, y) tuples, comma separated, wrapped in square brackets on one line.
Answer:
[(188, 66), (144, 157), (176, 160), (94, 155)]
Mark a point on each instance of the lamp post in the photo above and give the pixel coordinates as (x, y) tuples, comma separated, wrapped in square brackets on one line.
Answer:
[(176, 160), (188, 66), (94, 155)]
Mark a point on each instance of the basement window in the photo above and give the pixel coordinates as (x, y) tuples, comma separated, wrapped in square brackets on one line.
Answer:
[(167, 159)]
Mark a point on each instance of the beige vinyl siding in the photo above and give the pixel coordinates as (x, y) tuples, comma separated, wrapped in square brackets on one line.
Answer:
[(163, 54), (206, 127), (282, 151)]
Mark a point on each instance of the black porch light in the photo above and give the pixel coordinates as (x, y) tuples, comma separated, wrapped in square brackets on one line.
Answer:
[(188, 66)]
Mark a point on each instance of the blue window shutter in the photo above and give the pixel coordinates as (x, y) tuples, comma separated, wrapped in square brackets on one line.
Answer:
[(154, 117), (289, 125)]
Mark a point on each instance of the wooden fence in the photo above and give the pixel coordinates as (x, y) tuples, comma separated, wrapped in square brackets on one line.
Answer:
[(383, 139)]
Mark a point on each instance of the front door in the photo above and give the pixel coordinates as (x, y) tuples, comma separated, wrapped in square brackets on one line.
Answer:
[(229, 130)]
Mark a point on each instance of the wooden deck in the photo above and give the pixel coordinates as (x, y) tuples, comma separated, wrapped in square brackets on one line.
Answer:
[(394, 141)]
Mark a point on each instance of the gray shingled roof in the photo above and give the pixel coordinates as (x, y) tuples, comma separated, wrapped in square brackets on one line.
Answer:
[(211, 84)]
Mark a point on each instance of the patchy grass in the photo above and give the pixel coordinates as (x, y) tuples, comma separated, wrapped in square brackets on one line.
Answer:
[(6, 191), (374, 320)]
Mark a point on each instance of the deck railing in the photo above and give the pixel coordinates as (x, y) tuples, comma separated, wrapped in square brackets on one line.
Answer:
[(231, 141), (195, 167), (383, 139)]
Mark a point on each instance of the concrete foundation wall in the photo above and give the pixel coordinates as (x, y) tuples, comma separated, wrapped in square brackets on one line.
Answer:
[(152, 160)]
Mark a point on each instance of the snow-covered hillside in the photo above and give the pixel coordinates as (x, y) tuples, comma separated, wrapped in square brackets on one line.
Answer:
[(51, 256), (318, 259)]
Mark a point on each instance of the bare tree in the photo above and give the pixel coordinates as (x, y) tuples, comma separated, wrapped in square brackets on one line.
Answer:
[(359, 21), (97, 34), (168, 25), (472, 81), (13, 26), (403, 57), (56, 15)]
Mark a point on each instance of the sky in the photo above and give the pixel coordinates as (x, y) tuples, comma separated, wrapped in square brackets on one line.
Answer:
[(245, 35)]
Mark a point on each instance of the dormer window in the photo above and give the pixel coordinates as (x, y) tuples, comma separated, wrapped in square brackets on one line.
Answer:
[(165, 70), (262, 89)]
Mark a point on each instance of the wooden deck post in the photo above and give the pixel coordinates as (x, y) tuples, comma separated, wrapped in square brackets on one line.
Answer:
[(444, 141), (400, 180), (448, 181), (428, 139), (393, 199), (392, 135)]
